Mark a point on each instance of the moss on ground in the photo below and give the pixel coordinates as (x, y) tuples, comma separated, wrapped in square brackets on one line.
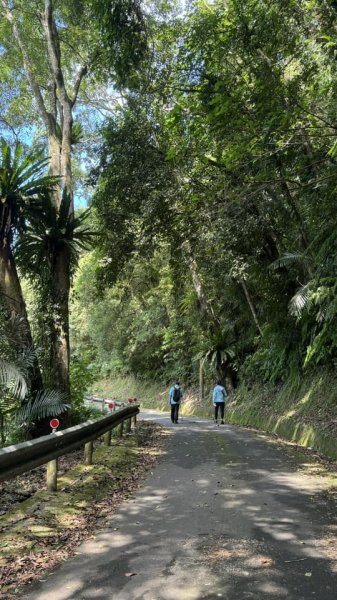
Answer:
[(42, 530), (305, 413)]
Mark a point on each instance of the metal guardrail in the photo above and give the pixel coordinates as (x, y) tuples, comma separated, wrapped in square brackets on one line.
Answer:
[(105, 403), (23, 457)]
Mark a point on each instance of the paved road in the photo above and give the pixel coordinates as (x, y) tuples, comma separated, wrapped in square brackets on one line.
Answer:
[(224, 515)]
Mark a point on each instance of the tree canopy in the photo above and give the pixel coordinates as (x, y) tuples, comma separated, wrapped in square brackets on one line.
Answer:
[(204, 133), (222, 171)]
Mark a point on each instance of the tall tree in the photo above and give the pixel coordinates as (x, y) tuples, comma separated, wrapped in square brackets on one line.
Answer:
[(57, 45), (23, 184)]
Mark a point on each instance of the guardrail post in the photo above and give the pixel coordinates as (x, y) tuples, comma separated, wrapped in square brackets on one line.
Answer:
[(88, 450), (127, 425), (120, 429), (52, 475), (134, 421), (107, 438)]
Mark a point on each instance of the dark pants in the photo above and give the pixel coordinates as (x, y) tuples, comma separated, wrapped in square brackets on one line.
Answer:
[(218, 405), (174, 412)]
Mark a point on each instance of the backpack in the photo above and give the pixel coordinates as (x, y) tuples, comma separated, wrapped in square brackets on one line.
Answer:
[(176, 395)]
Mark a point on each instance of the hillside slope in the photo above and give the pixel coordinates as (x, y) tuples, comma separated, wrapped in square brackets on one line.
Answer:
[(305, 413)]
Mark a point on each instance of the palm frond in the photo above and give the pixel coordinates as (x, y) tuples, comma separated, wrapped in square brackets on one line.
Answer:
[(12, 379), (7, 404), (288, 259), (26, 358), (49, 231), (300, 300), (48, 403)]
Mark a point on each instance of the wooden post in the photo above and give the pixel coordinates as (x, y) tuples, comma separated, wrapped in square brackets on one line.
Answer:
[(127, 425), (120, 430), (52, 475), (134, 422), (107, 438), (88, 450)]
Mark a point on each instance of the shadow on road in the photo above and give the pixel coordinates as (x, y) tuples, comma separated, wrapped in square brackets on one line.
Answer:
[(223, 515)]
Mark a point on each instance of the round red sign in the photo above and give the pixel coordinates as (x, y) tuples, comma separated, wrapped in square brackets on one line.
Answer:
[(111, 405), (54, 423)]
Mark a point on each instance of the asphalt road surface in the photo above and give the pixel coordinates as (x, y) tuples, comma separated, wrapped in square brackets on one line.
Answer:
[(225, 514)]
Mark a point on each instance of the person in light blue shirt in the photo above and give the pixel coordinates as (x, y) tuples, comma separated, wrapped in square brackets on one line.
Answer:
[(175, 395), (219, 395)]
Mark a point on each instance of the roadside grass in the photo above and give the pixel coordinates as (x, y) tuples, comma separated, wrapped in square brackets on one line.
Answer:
[(303, 412), (150, 395)]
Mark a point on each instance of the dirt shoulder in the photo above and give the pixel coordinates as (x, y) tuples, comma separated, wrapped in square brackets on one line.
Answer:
[(40, 529)]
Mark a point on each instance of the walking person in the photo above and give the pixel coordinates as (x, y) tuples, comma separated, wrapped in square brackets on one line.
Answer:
[(175, 395), (219, 395)]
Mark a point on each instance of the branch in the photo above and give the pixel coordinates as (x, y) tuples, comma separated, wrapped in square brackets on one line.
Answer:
[(317, 117), (9, 126), (82, 73), (54, 52)]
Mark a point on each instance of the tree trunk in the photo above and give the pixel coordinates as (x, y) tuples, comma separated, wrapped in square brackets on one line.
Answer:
[(60, 348), (13, 300), (66, 171), (226, 375), (206, 310), (54, 147), (251, 305)]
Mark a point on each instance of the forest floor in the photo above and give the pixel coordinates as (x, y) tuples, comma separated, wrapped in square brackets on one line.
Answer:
[(227, 512), (39, 529)]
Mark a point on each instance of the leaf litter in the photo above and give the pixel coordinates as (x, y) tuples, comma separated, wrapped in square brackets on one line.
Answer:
[(39, 529)]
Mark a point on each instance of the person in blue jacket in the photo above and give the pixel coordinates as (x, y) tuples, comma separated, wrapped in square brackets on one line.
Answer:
[(175, 395), (219, 395)]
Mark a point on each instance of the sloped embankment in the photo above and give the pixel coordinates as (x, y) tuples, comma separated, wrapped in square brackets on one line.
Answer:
[(305, 413)]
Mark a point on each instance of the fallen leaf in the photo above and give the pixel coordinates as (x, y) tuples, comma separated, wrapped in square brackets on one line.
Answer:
[(130, 574)]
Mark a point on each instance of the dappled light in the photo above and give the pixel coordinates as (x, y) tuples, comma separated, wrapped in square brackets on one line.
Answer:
[(210, 522), (168, 243)]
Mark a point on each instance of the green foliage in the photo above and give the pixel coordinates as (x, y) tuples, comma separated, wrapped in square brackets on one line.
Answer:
[(46, 403), (22, 183), (82, 376), (20, 405), (214, 192), (123, 36), (50, 232), (219, 179)]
